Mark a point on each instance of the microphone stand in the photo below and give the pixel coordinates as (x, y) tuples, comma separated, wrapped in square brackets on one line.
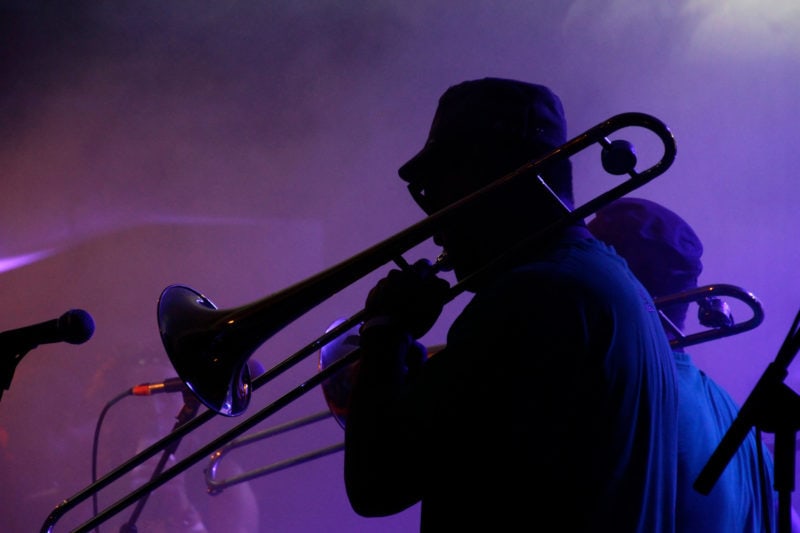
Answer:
[(772, 407), (9, 358), (190, 406)]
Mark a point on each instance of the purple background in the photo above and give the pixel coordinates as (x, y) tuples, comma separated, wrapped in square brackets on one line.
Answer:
[(240, 147)]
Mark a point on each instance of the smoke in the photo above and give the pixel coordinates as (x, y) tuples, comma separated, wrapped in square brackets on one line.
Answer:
[(241, 146)]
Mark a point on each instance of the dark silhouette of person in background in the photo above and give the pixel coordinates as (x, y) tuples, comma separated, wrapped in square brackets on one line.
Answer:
[(665, 254), (554, 403)]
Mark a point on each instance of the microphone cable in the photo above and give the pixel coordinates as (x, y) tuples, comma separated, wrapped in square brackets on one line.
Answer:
[(95, 446)]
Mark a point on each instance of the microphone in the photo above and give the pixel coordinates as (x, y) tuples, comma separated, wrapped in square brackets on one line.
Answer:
[(74, 327), (168, 385)]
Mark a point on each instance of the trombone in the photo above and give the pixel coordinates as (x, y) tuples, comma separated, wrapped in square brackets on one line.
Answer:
[(713, 313), (209, 347), (336, 391)]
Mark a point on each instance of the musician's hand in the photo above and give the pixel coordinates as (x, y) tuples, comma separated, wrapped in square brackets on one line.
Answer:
[(411, 299)]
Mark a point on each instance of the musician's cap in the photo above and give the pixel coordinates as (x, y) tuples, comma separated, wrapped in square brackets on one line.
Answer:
[(660, 247), (489, 112)]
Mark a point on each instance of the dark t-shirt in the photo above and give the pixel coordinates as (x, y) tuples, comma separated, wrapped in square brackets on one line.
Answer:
[(552, 408), (736, 502)]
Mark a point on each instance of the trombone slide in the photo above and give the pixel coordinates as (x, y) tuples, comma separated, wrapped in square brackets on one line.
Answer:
[(209, 347), (706, 297), (216, 486)]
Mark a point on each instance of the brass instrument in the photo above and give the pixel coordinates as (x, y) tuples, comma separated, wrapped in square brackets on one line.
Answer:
[(209, 347), (713, 313), (336, 391)]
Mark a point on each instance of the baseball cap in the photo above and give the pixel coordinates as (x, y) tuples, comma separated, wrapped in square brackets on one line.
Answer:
[(660, 247), (486, 111)]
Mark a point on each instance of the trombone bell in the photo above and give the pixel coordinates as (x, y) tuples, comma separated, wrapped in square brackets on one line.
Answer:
[(195, 337)]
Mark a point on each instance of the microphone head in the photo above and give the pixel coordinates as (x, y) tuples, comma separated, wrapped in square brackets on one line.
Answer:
[(76, 326)]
